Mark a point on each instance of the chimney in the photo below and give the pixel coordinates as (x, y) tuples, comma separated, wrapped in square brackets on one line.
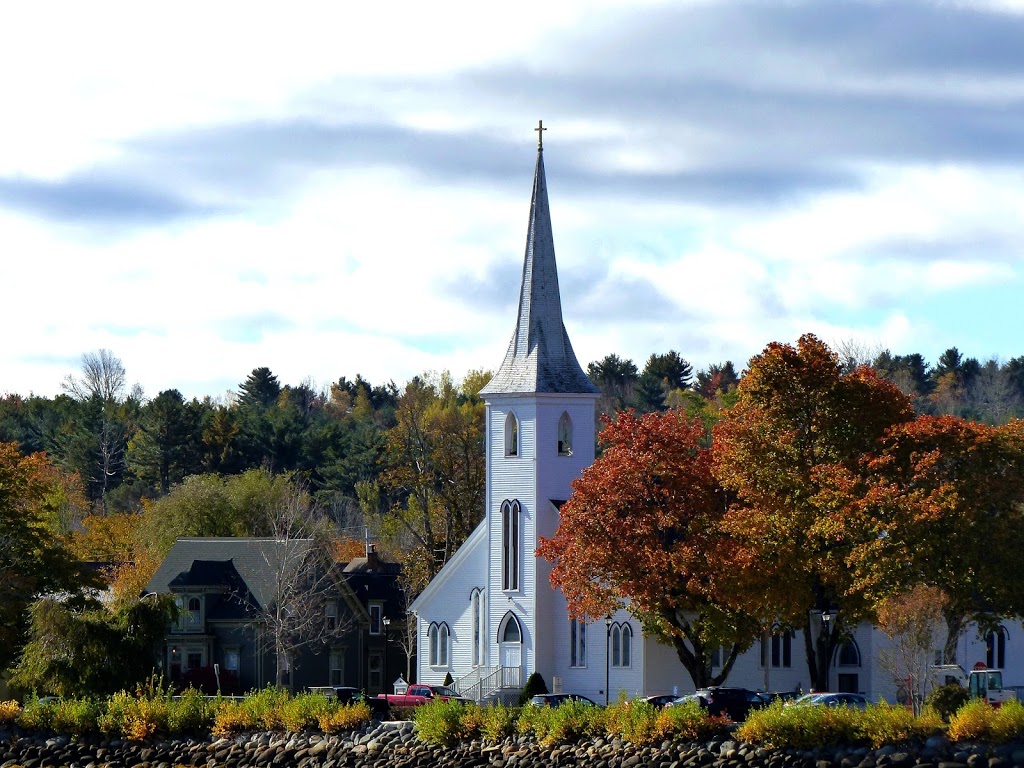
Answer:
[(372, 559)]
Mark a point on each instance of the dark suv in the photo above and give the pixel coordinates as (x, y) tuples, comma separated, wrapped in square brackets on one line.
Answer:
[(734, 702)]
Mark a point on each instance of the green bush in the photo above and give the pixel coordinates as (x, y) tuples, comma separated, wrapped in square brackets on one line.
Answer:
[(689, 722), (566, 722), (263, 709), (632, 721), (37, 715), (499, 722), (884, 724), (1009, 722), (947, 699), (442, 722), (801, 727), (75, 717), (535, 686), (191, 713), (303, 712), (115, 713)]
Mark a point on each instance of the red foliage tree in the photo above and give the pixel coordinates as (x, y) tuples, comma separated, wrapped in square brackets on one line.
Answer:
[(641, 529)]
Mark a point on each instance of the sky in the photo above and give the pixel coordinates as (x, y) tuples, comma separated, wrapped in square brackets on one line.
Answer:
[(333, 189)]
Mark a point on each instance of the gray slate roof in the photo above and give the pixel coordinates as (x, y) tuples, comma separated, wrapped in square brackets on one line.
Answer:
[(540, 357), (193, 561)]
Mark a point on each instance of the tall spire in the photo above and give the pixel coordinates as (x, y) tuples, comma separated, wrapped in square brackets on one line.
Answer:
[(540, 356)]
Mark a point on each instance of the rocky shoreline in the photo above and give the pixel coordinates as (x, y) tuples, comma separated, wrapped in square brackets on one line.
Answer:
[(394, 745)]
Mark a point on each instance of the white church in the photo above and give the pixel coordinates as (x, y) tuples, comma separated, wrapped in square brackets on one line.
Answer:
[(490, 617)]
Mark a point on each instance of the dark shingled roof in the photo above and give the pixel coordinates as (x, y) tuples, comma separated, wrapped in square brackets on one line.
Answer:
[(540, 357), (207, 561)]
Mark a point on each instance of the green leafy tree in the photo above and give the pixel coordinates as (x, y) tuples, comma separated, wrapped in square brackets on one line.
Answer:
[(616, 378), (213, 505), (431, 492), (165, 447), (717, 379), (670, 369), (260, 389), (92, 650), (97, 442)]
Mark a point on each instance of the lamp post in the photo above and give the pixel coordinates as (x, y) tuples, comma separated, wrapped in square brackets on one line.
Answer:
[(827, 617), (386, 622), (607, 655)]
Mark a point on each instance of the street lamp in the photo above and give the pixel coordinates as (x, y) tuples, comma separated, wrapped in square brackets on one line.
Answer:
[(386, 622), (607, 653), (828, 617)]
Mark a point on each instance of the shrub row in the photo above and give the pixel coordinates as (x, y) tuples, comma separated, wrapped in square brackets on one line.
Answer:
[(977, 721), (154, 712), (150, 713), (806, 727), (448, 723)]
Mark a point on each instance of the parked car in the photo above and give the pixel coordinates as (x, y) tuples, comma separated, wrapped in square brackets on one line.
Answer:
[(660, 700), (735, 703), (556, 699), (421, 694), (831, 700)]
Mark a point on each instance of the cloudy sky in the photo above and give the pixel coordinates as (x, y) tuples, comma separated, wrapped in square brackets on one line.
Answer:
[(341, 188)]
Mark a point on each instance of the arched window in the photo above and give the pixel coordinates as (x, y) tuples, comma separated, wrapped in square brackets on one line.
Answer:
[(622, 642), (194, 610), (577, 643), (510, 513), (476, 600), (437, 637), (565, 435), (512, 632), (777, 649), (995, 657), (848, 654), (511, 435)]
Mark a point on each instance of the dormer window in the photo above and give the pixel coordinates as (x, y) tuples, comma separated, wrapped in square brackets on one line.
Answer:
[(511, 435), (190, 613), (565, 435)]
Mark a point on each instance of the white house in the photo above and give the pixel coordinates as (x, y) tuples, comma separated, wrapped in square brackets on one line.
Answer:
[(490, 617)]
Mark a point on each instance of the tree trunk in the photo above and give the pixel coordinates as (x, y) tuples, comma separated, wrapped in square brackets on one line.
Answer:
[(955, 622)]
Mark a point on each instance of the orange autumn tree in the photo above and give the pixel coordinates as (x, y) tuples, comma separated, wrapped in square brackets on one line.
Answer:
[(639, 530), (34, 559), (943, 503), (786, 449)]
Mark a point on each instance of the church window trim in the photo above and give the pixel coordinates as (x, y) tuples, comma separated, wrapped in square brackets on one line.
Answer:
[(438, 641), (511, 629), (476, 601), (995, 648), (777, 649), (565, 434), (622, 645), (511, 517), (848, 654), (577, 643), (511, 435)]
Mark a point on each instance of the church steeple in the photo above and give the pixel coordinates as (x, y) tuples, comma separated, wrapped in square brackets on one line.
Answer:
[(540, 356)]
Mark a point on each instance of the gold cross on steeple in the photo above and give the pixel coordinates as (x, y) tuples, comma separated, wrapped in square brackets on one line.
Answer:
[(540, 135)]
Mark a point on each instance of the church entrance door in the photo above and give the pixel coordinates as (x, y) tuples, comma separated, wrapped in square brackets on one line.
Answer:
[(511, 646)]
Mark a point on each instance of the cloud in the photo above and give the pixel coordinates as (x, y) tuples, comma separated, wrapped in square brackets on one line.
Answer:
[(97, 199)]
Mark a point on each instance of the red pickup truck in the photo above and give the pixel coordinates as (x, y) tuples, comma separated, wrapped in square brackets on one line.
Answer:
[(421, 694)]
